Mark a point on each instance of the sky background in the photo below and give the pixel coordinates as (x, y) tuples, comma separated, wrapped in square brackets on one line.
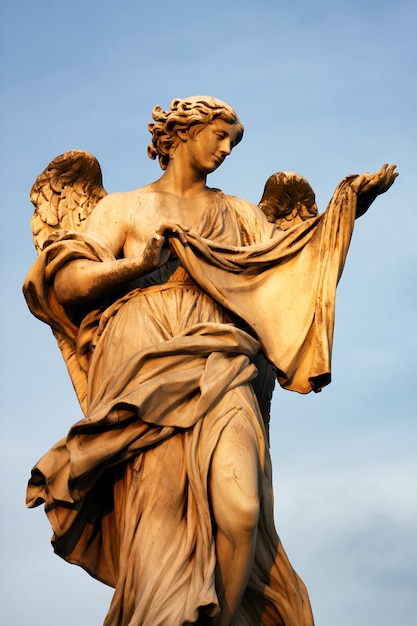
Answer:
[(324, 88)]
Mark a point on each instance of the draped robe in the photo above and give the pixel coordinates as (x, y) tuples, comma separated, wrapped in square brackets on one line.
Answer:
[(167, 366)]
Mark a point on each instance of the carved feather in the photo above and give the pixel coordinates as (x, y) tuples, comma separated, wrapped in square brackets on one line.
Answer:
[(64, 194), (288, 199)]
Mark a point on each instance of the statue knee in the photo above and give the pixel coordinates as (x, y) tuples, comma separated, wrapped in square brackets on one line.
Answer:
[(238, 520), (235, 482), (247, 514)]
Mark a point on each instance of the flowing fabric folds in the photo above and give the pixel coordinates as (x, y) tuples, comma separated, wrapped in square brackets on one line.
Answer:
[(161, 371)]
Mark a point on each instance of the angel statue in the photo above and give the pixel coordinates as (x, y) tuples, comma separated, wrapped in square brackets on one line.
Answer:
[(170, 304)]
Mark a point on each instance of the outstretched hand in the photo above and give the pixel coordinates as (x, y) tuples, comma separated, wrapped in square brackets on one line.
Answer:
[(369, 186), (378, 183)]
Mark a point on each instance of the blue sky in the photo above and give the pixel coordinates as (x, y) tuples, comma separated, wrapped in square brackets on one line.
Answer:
[(325, 89)]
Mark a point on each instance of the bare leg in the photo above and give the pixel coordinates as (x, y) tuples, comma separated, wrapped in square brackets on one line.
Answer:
[(234, 490)]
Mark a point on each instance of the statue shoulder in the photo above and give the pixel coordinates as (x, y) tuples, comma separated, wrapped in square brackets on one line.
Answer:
[(123, 207), (254, 224)]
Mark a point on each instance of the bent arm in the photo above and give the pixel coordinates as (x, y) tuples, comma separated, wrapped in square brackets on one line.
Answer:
[(86, 280)]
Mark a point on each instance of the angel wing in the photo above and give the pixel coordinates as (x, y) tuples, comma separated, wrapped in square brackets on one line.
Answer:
[(64, 194), (288, 199)]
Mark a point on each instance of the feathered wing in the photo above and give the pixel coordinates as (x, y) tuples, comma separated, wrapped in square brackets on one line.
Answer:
[(64, 195), (288, 199)]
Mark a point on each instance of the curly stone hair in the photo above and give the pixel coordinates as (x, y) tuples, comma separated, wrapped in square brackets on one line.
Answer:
[(195, 111)]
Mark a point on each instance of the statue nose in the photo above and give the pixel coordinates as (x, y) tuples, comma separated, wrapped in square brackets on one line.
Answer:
[(226, 148)]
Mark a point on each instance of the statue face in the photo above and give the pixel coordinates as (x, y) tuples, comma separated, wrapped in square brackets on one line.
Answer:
[(208, 146)]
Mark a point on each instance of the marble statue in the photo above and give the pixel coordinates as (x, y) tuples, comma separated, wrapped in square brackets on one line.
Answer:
[(176, 308)]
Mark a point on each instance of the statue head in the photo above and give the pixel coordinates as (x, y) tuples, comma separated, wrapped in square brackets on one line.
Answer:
[(191, 113)]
